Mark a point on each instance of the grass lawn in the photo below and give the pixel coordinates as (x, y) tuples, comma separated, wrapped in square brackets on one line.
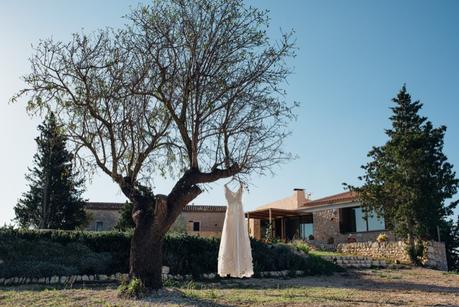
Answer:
[(368, 287)]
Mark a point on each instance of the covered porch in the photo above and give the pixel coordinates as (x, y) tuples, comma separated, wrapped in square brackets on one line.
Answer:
[(287, 224)]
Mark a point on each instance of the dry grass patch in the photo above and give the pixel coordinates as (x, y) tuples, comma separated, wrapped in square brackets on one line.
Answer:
[(270, 296), (360, 288)]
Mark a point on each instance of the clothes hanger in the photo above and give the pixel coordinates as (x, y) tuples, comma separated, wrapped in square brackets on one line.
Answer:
[(231, 180)]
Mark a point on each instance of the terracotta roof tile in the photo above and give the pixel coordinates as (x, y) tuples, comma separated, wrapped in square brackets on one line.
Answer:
[(204, 208), (103, 206), (333, 199), (118, 206)]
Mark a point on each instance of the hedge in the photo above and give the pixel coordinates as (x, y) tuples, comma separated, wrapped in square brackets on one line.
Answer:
[(37, 253), (112, 248)]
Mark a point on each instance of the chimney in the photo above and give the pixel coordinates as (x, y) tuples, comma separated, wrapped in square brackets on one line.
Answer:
[(299, 196)]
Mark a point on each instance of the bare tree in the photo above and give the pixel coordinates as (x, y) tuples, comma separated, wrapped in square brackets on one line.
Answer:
[(189, 89)]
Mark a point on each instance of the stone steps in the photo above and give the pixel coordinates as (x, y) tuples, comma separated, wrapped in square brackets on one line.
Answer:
[(356, 262)]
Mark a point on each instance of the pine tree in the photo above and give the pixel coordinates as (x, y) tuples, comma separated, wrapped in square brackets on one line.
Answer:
[(54, 199), (449, 233), (409, 179)]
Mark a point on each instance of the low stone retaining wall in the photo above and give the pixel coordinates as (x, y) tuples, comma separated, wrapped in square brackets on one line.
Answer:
[(395, 251), (434, 255), (62, 280), (76, 279)]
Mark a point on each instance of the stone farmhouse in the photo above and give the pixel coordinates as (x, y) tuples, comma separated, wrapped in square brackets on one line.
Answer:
[(331, 220), (202, 220)]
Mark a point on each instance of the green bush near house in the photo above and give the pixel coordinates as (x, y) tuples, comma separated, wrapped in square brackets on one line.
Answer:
[(280, 257), (34, 253), (301, 246), (193, 255)]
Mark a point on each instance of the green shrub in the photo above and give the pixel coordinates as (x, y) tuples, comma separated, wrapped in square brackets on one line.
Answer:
[(269, 233), (280, 257), (301, 246), (190, 255), (29, 243), (317, 266), (45, 253), (43, 258), (416, 252), (35, 269), (133, 289)]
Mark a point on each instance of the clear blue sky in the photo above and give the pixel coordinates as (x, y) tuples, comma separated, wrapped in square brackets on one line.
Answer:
[(353, 57)]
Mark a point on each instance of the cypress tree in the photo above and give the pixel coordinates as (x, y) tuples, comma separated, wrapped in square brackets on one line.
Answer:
[(408, 179), (54, 199)]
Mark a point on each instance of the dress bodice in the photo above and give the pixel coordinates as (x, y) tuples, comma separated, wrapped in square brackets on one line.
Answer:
[(233, 197)]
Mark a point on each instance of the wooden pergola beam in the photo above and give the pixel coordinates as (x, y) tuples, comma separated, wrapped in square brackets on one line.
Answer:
[(273, 213)]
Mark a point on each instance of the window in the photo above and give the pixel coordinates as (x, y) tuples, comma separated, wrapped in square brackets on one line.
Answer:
[(360, 221), (306, 230), (99, 226), (355, 220), (375, 222), (196, 226)]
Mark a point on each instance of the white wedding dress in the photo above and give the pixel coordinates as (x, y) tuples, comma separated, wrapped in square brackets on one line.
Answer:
[(235, 254)]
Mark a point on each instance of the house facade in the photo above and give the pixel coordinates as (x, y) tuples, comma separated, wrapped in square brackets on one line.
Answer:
[(333, 219), (200, 220), (102, 216)]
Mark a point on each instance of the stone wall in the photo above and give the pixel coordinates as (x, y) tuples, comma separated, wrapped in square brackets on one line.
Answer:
[(69, 281), (211, 223), (326, 226), (435, 253), (368, 235), (108, 218)]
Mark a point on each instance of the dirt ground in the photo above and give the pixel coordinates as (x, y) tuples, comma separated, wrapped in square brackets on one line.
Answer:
[(416, 287)]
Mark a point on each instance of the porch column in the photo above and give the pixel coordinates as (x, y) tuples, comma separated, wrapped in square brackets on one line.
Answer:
[(283, 229), (248, 223), (270, 222)]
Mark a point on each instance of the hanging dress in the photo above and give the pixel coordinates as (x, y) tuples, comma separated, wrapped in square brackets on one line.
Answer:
[(235, 254)]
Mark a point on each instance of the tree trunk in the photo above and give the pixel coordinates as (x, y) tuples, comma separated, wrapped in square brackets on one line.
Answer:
[(411, 242), (153, 216), (146, 255), (412, 249), (146, 259)]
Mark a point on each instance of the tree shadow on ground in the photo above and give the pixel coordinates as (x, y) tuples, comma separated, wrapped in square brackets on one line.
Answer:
[(380, 282), (379, 288), (393, 283), (350, 279)]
